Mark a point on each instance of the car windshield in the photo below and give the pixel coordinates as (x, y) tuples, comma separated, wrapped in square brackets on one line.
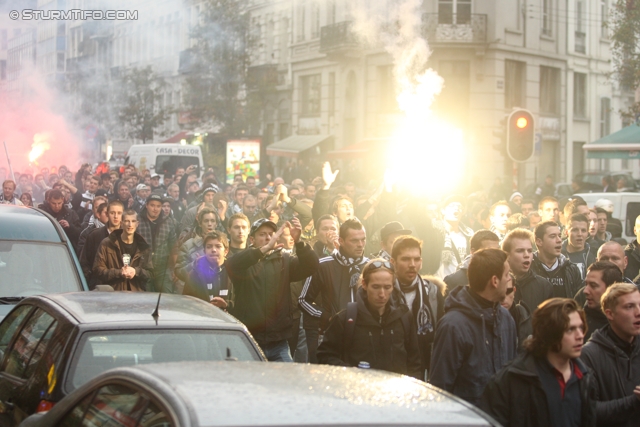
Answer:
[(595, 179), (100, 351), (35, 268)]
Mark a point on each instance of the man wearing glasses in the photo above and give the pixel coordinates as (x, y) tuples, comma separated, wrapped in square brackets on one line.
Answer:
[(476, 336), (371, 332)]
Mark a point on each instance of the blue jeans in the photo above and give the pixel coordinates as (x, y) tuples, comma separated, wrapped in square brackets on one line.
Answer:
[(277, 351)]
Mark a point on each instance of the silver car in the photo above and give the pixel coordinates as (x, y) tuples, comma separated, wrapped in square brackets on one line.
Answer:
[(229, 393)]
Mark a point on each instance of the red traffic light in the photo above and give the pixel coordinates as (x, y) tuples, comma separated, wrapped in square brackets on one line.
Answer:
[(522, 122), (520, 135)]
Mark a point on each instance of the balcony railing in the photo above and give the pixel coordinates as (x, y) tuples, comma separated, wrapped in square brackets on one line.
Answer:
[(338, 37), (455, 28), (581, 42)]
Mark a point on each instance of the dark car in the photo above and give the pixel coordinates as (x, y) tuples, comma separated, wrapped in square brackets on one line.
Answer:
[(52, 344), (35, 257), (244, 394)]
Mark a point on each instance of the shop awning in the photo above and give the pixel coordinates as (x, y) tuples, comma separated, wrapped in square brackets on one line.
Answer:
[(357, 150), (294, 145), (623, 144)]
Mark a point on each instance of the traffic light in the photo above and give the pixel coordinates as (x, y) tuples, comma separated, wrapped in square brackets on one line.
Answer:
[(520, 135)]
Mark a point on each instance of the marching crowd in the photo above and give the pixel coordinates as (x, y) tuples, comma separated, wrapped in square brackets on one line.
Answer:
[(527, 308)]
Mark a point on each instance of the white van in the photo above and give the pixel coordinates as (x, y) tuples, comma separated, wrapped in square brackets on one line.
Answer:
[(165, 158), (626, 207)]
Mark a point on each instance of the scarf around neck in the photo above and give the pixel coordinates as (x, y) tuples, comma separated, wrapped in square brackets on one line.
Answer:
[(424, 315), (355, 267)]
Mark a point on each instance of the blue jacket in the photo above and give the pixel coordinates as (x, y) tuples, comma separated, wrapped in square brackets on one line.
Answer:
[(472, 343)]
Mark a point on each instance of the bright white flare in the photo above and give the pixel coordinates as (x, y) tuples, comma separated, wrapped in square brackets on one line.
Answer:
[(39, 146)]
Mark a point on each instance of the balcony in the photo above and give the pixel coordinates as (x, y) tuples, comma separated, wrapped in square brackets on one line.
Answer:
[(581, 42), (262, 77), (455, 28), (338, 38)]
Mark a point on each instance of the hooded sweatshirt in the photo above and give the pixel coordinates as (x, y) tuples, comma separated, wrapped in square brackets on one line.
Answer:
[(582, 259), (563, 275), (616, 366), (474, 340)]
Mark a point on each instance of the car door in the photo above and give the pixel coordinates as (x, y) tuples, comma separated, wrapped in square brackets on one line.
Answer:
[(21, 357), (117, 405)]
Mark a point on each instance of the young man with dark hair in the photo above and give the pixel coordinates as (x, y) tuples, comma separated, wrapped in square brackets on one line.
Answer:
[(208, 279), (551, 264), (388, 234), (531, 289), (335, 282), (123, 259), (262, 276), (66, 217), (92, 243), (422, 297), (600, 275), (575, 247), (374, 331), (327, 235), (481, 239), (613, 353), (547, 385), (476, 336), (238, 231)]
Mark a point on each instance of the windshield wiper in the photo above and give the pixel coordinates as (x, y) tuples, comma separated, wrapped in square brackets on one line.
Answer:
[(10, 300)]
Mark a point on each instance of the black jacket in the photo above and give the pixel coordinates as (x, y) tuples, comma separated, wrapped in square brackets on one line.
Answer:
[(263, 289), (380, 340), (460, 277), (616, 376), (566, 278), (515, 396), (73, 230), (330, 288), (632, 251), (596, 319), (522, 318), (472, 343), (89, 251), (533, 290), (587, 257), (202, 275)]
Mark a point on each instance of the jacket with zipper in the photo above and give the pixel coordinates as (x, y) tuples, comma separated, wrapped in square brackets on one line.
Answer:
[(108, 264), (587, 256), (632, 251), (533, 290), (515, 396), (263, 289), (565, 277), (379, 340), (616, 374), (206, 281)]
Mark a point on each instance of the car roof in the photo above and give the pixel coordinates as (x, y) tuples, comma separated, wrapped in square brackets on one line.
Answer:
[(287, 394), (101, 307), (23, 223)]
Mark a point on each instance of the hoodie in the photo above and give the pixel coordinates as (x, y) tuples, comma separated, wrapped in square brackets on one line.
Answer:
[(617, 373), (565, 276), (459, 278), (582, 259), (473, 342)]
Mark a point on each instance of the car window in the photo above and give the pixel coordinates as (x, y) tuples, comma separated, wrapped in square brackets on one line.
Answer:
[(30, 344), (633, 210), (24, 272), (100, 351), (10, 325), (117, 405)]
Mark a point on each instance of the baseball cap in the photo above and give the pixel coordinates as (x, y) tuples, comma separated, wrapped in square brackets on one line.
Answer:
[(101, 192), (154, 197), (141, 187), (605, 204), (155, 175), (259, 223), (392, 228)]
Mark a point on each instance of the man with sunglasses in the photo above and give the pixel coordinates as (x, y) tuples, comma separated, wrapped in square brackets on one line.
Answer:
[(372, 332), (476, 336)]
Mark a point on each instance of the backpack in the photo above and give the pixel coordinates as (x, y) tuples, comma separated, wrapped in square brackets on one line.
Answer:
[(350, 327)]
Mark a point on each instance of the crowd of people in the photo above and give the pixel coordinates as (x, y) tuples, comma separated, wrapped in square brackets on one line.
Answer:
[(527, 308)]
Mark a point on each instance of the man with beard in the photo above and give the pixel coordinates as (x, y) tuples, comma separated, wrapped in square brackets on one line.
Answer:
[(600, 275), (551, 264), (67, 218), (335, 282), (499, 214), (576, 247), (238, 230), (531, 289)]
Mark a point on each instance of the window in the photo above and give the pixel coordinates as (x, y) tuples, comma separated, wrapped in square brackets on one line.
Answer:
[(604, 16), (10, 325), (332, 93), (454, 12), (549, 90), (515, 79), (579, 95), (605, 116), (546, 17), (580, 35), (315, 20), (310, 95), (30, 344)]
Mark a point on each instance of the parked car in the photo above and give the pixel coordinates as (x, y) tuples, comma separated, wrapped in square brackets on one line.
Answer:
[(592, 181), (257, 394), (563, 189), (52, 344), (35, 257), (626, 207)]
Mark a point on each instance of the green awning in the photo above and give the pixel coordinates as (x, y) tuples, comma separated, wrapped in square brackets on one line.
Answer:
[(623, 144), (295, 144)]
